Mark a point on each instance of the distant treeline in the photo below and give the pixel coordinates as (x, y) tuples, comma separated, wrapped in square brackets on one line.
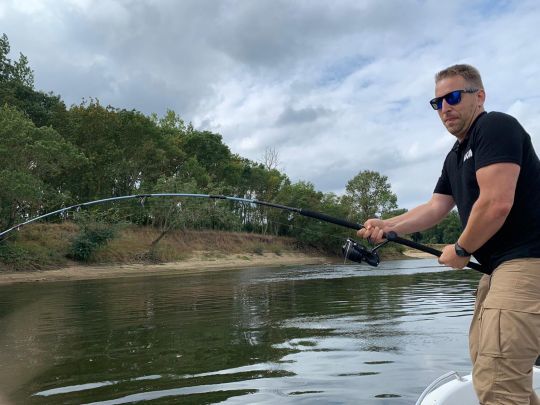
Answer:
[(55, 156)]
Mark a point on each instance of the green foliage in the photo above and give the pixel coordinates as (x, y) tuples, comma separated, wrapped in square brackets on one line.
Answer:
[(209, 150), (43, 109), (17, 89), (35, 165), (125, 149), (309, 232), (5, 62), (14, 71), (96, 229), (28, 254), (89, 240), (447, 231), (13, 256), (22, 73), (393, 213), (368, 195)]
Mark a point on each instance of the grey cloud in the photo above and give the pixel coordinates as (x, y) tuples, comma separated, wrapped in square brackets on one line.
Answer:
[(276, 33), (292, 116)]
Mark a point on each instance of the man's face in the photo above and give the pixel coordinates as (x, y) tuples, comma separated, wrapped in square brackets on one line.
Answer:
[(458, 118)]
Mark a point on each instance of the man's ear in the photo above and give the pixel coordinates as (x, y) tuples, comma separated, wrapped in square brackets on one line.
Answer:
[(481, 97)]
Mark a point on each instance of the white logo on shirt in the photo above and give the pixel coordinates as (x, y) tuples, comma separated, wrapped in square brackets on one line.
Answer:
[(467, 155)]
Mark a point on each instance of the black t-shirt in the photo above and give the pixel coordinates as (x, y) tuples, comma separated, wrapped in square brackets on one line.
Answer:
[(497, 138)]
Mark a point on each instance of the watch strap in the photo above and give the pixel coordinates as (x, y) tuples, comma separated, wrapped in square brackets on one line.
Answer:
[(460, 251)]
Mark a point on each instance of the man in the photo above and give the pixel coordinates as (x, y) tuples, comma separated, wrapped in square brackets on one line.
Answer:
[(492, 175)]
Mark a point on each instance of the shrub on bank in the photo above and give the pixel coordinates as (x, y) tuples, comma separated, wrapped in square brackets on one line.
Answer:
[(89, 241), (13, 256)]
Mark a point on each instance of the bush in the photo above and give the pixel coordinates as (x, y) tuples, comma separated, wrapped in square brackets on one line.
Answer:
[(13, 256), (89, 240)]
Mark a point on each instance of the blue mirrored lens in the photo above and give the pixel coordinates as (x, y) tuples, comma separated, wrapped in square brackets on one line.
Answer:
[(452, 98)]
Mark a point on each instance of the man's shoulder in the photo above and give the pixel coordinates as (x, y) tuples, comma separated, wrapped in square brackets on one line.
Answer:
[(496, 117), (494, 124)]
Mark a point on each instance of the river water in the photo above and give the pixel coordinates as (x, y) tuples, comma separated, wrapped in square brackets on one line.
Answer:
[(338, 334)]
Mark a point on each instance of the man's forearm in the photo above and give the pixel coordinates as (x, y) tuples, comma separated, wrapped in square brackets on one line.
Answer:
[(418, 219), (422, 217)]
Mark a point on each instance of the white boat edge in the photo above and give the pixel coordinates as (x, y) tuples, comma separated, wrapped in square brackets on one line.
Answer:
[(452, 388)]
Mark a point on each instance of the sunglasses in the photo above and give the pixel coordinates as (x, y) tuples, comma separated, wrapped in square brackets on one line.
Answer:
[(452, 98)]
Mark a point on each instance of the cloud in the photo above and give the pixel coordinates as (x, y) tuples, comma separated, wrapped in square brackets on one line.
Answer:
[(333, 87), (292, 116)]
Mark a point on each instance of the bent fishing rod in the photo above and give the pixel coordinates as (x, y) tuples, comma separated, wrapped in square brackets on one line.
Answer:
[(352, 250)]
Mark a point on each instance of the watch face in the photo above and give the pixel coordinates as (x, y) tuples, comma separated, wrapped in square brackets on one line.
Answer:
[(460, 251)]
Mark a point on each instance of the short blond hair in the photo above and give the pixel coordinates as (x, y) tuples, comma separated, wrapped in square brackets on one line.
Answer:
[(468, 72)]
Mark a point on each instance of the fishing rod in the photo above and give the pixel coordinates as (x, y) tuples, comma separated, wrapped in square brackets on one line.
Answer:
[(352, 249)]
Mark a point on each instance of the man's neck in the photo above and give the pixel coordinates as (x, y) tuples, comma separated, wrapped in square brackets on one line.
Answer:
[(463, 135)]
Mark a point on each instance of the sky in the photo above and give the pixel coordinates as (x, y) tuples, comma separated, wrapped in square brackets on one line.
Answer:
[(333, 87)]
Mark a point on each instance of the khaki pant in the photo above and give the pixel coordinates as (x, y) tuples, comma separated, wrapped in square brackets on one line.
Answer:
[(504, 339)]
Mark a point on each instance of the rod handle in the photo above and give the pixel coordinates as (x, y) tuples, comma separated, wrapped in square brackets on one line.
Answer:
[(393, 237)]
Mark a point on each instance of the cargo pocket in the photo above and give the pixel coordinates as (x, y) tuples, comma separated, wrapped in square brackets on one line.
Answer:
[(490, 333), (519, 335), (486, 366)]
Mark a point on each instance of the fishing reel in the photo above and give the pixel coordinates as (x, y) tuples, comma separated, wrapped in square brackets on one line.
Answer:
[(356, 252)]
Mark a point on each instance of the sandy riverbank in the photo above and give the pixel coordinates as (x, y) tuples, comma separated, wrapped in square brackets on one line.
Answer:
[(417, 254), (198, 263)]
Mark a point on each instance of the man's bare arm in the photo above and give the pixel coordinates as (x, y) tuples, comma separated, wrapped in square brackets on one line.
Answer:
[(497, 184), (418, 219)]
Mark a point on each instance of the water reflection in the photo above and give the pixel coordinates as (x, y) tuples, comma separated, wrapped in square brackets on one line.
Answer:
[(327, 334)]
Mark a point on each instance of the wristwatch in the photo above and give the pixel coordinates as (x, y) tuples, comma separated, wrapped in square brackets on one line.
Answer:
[(460, 251)]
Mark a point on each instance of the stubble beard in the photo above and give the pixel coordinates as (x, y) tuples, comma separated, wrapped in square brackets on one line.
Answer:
[(456, 128), (460, 125)]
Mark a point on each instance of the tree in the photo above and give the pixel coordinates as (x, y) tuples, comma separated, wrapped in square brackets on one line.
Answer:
[(188, 213), (447, 231), (127, 151), (173, 133), (393, 213), (17, 89), (22, 72), (271, 158), (451, 227), (35, 166), (209, 150), (368, 195), (5, 62), (17, 71)]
